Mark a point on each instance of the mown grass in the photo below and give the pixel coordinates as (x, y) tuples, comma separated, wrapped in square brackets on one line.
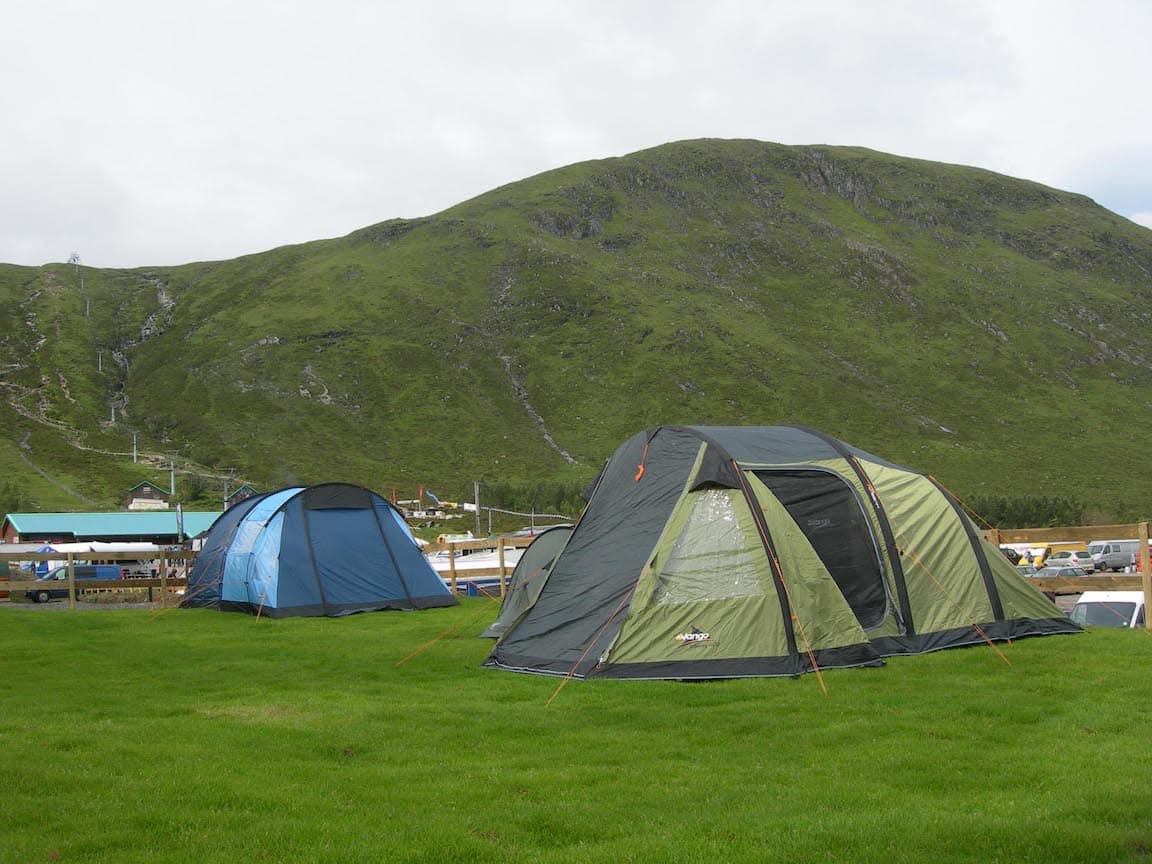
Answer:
[(191, 735)]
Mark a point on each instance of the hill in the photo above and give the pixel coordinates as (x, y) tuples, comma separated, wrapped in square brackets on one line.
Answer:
[(991, 331)]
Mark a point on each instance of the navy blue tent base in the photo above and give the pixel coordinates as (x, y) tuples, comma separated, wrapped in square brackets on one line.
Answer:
[(331, 611)]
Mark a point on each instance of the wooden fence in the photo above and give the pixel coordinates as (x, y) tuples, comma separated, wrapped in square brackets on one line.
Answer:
[(173, 563), (170, 564), (456, 550), (1140, 581)]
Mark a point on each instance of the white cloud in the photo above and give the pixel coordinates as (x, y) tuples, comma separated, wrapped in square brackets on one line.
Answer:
[(218, 129)]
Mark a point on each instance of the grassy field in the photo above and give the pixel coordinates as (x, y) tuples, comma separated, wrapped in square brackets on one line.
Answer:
[(192, 735)]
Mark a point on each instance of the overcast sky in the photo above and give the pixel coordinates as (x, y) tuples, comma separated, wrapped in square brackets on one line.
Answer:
[(158, 133)]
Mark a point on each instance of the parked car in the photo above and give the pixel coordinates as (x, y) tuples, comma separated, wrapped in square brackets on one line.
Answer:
[(1056, 572), (1109, 609), (1027, 569), (1113, 555), (1011, 554), (1071, 558), (53, 585)]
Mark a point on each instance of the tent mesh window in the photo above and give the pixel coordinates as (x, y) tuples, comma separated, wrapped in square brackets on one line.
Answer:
[(713, 558), (829, 514)]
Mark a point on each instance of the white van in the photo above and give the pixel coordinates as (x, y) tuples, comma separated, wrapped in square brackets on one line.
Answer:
[(1109, 609), (1115, 555)]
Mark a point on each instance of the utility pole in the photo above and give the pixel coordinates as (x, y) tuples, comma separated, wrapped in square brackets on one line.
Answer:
[(476, 498), (133, 448), (172, 478), (74, 260), (100, 360)]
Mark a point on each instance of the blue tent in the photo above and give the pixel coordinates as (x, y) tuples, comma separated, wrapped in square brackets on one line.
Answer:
[(331, 549)]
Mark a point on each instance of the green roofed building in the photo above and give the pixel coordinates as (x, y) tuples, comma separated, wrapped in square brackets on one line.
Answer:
[(718, 552), (162, 527)]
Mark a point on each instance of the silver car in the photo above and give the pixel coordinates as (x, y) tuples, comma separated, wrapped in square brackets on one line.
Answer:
[(1071, 558), (1059, 572)]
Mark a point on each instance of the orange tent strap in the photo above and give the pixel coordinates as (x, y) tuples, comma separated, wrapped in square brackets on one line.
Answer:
[(640, 467)]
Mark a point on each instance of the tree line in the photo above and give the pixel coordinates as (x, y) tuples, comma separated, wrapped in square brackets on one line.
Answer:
[(1024, 511), (554, 497)]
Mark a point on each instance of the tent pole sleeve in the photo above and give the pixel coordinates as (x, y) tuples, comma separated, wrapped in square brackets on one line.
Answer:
[(391, 554), (312, 556), (773, 562)]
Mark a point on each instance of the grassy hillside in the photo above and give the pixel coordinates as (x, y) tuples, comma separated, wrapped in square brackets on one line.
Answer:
[(991, 331)]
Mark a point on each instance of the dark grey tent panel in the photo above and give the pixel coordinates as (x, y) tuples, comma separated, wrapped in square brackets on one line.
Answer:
[(528, 577), (748, 445), (589, 585), (337, 496), (826, 509)]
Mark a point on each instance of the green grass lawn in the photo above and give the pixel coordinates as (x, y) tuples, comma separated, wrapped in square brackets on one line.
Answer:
[(193, 735)]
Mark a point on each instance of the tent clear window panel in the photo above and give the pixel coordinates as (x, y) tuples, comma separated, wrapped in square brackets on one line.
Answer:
[(713, 557), (828, 512)]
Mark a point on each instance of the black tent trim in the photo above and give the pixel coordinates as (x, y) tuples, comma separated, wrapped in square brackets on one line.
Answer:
[(788, 666), (1005, 630)]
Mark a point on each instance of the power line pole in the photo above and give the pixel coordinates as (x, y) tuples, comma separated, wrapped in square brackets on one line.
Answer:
[(74, 260), (476, 498)]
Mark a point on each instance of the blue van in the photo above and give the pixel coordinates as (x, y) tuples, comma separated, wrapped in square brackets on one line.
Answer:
[(53, 585)]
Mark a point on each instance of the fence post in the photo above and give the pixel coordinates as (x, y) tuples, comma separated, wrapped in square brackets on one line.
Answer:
[(163, 576), (71, 582), (500, 549), (452, 566), (1145, 573)]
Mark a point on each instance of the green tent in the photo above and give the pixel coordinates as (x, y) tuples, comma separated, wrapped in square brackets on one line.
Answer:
[(528, 578), (713, 552)]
